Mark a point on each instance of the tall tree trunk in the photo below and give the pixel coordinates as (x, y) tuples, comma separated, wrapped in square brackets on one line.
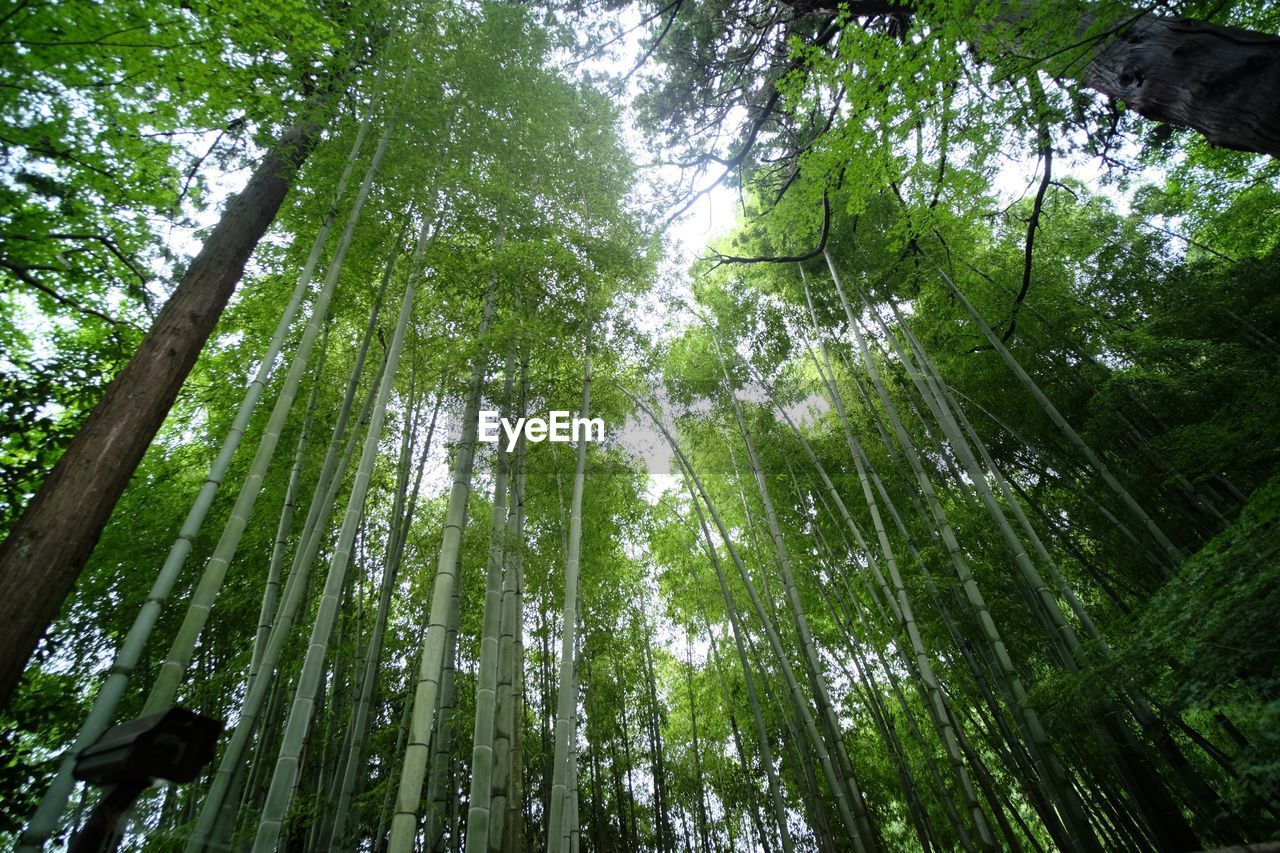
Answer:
[(104, 703), (171, 672), (286, 774), (404, 823), (48, 546), (402, 516), (567, 690), (478, 814)]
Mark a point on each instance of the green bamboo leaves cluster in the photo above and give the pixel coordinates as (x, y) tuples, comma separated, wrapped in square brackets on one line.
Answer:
[(939, 671)]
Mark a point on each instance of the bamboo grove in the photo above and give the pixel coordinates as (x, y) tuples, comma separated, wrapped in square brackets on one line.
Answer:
[(957, 532)]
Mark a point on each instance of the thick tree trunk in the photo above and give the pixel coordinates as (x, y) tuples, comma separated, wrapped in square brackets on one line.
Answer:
[(47, 548), (1221, 81)]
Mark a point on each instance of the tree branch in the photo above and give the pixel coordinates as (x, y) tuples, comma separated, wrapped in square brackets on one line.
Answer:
[(22, 274), (675, 10), (1046, 153), (787, 259), (828, 31)]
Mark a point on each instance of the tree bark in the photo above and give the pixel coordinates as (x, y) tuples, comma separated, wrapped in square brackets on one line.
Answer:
[(1222, 81), (47, 548)]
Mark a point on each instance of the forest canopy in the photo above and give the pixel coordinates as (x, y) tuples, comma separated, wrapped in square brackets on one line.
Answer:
[(937, 505)]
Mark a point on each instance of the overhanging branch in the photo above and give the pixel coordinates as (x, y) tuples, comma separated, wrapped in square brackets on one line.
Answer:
[(785, 259)]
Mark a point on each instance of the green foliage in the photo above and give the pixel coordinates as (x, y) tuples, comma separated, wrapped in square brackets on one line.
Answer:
[(1150, 326), (1207, 640)]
